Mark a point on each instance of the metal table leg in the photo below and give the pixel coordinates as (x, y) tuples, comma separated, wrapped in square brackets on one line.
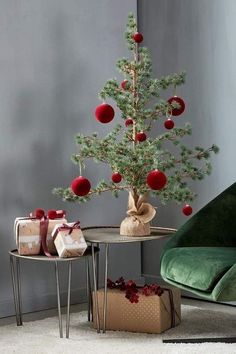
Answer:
[(58, 300), (97, 266), (95, 289), (14, 288), (105, 288), (88, 289), (18, 282), (68, 300)]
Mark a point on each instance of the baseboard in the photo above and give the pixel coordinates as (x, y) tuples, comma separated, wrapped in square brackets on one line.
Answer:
[(43, 302)]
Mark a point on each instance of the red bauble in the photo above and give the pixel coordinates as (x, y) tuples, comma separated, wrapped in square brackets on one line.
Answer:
[(169, 124), (104, 113), (80, 186), (125, 84), (116, 177), (52, 214), (156, 179), (138, 37), (128, 122), (180, 102), (39, 213), (187, 209), (141, 136)]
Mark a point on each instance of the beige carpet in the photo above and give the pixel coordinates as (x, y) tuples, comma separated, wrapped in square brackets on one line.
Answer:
[(42, 336)]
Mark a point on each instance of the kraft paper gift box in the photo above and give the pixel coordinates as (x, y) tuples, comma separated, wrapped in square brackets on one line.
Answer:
[(28, 239), (69, 240), (152, 314)]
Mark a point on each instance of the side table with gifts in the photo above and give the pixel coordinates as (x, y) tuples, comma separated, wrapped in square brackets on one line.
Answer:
[(122, 305), (48, 237)]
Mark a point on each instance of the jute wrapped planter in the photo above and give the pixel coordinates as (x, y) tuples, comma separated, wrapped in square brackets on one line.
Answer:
[(140, 213)]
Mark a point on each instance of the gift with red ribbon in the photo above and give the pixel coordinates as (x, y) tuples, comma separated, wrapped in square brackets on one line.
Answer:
[(145, 309), (69, 240), (33, 233)]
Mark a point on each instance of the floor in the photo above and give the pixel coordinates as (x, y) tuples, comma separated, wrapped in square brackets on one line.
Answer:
[(81, 307)]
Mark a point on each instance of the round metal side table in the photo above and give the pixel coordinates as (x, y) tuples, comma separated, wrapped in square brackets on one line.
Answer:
[(109, 235), (15, 259)]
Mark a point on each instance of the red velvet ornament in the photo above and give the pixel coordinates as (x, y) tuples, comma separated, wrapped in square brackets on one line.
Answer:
[(52, 214), (80, 186), (125, 84), (116, 177), (180, 102), (137, 37), (187, 209), (169, 124), (39, 213), (156, 179), (104, 113), (141, 136), (128, 122)]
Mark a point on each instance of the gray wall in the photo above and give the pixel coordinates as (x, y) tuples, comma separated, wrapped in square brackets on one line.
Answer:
[(199, 37), (55, 57)]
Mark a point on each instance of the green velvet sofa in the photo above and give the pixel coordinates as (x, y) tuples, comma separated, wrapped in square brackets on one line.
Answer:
[(201, 256)]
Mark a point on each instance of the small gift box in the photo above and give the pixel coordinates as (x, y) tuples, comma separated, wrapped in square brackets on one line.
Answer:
[(148, 309), (69, 240), (34, 233)]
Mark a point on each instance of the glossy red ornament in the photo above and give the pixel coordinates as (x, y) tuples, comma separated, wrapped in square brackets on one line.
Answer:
[(104, 113), (52, 214), (169, 124), (125, 84), (80, 186), (137, 37), (128, 122), (141, 136), (187, 209), (156, 179), (39, 213), (180, 102), (116, 177)]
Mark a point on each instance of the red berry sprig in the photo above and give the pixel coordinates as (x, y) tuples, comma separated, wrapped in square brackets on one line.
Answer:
[(132, 291)]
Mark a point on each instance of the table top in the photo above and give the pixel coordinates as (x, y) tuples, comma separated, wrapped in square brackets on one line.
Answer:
[(111, 234), (41, 257)]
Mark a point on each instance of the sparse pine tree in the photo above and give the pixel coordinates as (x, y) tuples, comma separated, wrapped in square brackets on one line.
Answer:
[(139, 163)]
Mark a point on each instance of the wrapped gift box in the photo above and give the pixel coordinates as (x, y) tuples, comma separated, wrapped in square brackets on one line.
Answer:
[(152, 314), (27, 233), (69, 240)]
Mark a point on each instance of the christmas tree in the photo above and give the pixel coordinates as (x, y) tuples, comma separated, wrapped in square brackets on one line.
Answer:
[(140, 164)]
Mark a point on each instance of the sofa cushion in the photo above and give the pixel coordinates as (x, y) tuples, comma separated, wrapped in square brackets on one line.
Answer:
[(198, 267)]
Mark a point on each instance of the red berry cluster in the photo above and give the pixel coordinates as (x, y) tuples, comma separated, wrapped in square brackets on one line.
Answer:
[(152, 289), (132, 291)]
